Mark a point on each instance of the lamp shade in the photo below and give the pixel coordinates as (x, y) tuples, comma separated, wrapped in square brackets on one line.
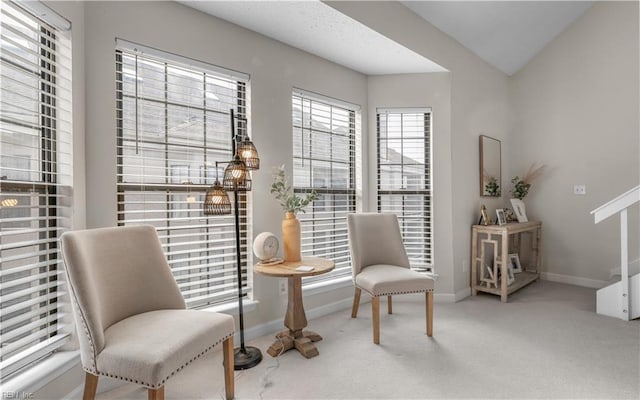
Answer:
[(216, 201), (248, 154), (236, 176)]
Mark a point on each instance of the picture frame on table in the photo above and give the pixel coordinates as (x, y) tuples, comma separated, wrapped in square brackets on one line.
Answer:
[(502, 218), (511, 217), (484, 216), (510, 275), (519, 210), (514, 263)]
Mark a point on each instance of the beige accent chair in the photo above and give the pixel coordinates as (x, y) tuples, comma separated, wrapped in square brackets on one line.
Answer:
[(131, 318), (380, 266)]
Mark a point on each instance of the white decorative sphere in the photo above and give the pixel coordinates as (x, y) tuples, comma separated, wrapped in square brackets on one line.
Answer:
[(265, 246)]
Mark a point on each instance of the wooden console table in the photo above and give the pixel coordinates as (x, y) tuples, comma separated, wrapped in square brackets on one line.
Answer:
[(295, 318), (500, 239)]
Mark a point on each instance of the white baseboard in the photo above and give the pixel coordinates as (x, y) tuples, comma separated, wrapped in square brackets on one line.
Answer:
[(573, 280), (463, 294), (273, 326), (419, 297), (36, 377), (75, 393), (105, 384), (634, 268), (440, 297), (452, 297), (270, 327), (344, 304)]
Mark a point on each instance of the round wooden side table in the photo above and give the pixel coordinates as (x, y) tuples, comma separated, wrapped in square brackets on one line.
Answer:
[(295, 319)]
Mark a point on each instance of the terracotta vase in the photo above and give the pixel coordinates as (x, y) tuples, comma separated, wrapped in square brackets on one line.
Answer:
[(291, 237)]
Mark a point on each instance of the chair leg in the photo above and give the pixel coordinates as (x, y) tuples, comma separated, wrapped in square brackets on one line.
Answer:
[(156, 394), (389, 305), (356, 303), (375, 311), (90, 386), (229, 386), (429, 307)]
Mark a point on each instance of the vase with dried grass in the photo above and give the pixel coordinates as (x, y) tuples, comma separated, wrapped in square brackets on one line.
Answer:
[(291, 203), (521, 188)]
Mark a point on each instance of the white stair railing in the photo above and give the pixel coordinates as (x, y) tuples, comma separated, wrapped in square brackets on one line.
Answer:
[(615, 300)]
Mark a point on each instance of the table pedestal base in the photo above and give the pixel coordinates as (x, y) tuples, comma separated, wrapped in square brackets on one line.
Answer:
[(301, 340)]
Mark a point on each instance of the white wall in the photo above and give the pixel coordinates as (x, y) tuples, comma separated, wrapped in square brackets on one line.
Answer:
[(274, 68), (479, 105), (576, 109)]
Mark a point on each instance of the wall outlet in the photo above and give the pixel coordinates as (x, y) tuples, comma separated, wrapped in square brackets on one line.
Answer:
[(580, 189), (282, 287), (465, 266)]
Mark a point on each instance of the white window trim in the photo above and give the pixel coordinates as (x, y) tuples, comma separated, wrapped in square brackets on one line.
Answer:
[(326, 99), (32, 360), (206, 68), (201, 66), (374, 190), (41, 374), (333, 283)]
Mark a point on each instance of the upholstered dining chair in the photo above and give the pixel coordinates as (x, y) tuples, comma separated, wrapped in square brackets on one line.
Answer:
[(130, 316), (380, 266)]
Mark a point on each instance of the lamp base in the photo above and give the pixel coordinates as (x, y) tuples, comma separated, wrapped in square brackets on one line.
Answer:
[(249, 358)]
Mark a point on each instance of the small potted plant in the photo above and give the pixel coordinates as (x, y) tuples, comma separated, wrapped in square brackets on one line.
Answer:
[(291, 204), (521, 188)]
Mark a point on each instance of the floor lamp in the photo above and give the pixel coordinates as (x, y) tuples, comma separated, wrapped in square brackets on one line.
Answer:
[(237, 178)]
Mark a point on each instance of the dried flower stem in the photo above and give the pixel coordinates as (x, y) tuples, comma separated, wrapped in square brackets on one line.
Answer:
[(521, 185)]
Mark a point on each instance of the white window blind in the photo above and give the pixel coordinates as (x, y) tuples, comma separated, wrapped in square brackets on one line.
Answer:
[(35, 184), (404, 178), (173, 125), (324, 134)]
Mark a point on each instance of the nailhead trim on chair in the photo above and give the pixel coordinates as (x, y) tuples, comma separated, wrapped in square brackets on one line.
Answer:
[(159, 385), (394, 293)]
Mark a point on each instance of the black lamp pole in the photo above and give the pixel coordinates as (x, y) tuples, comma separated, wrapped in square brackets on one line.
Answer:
[(245, 357), (237, 178)]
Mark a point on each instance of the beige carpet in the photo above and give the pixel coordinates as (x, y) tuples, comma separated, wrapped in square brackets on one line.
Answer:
[(547, 342)]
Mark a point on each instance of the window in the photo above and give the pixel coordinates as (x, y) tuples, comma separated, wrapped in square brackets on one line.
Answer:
[(173, 125), (35, 183), (324, 135), (404, 178)]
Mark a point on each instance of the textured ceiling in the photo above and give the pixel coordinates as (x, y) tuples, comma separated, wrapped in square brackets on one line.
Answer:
[(506, 34), (316, 28)]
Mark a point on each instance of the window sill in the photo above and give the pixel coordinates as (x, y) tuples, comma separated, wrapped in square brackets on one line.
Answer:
[(328, 286), (232, 308), (40, 374)]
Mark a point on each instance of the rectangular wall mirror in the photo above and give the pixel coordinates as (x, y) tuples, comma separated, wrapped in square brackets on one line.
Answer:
[(490, 167)]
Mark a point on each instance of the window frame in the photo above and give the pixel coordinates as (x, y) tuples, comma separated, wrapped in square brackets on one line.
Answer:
[(425, 264), (228, 282), (342, 272), (48, 190)]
